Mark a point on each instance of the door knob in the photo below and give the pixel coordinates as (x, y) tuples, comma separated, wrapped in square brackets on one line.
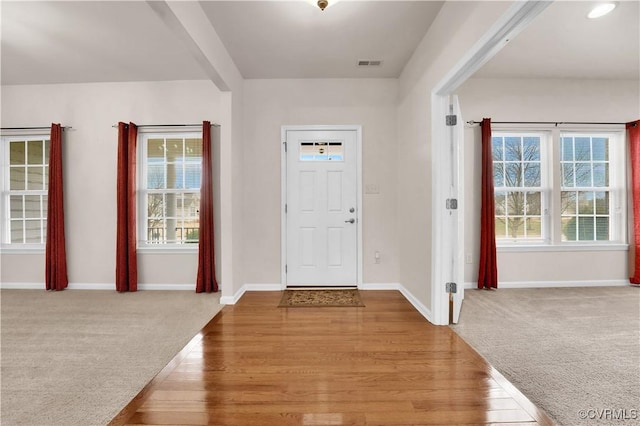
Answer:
[(352, 220)]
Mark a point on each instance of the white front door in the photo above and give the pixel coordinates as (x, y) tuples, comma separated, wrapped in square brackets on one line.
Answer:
[(321, 209)]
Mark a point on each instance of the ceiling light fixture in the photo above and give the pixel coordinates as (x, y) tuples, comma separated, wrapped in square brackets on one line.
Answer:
[(322, 4), (602, 9)]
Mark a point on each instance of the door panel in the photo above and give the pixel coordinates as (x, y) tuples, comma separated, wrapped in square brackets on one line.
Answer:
[(321, 203), (455, 137)]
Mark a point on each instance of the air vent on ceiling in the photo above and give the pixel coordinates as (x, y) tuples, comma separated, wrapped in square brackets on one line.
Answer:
[(369, 63)]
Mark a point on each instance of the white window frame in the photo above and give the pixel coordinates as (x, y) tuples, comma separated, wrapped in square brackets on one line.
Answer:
[(144, 134), (551, 177), (545, 187), (5, 207)]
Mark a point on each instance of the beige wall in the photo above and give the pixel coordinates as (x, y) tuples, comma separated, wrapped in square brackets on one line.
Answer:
[(541, 100), (90, 168), (270, 104), (457, 28)]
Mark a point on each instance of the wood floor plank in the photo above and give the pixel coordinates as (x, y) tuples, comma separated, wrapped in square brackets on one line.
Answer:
[(382, 364)]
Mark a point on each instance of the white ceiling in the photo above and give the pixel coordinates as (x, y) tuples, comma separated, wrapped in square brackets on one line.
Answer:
[(285, 39), (99, 41)]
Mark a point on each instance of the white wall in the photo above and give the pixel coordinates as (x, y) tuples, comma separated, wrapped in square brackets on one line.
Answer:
[(270, 104), (458, 26), (541, 100), (90, 151)]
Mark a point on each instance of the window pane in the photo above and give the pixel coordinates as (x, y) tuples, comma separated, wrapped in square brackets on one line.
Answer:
[(15, 204), (583, 174), (569, 228), (567, 149), (500, 228), (32, 206), (35, 152), (46, 177), (513, 176), (336, 151), (155, 231), (175, 175), (567, 175), (47, 151), (600, 149), (193, 175), (17, 178), (155, 148), (191, 206), (515, 203), (602, 202), (498, 174), (17, 231), (35, 178), (531, 148), (155, 205), (600, 174), (602, 228), (585, 202), (533, 227), (496, 149), (45, 206), (583, 149), (586, 229), (33, 231), (515, 226), (499, 198), (193, 148), (533, 206), (155, 176), (568, 202), (17, 153), (531, 174), (512, 149), (175, 148)]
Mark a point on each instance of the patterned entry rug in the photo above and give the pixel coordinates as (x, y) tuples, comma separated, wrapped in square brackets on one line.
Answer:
[(320, 298)]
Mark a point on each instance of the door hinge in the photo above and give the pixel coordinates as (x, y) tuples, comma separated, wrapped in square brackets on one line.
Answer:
[(451, 120), (285, 208), (285, 269), (451, 287), (452, 203), (285, 146)]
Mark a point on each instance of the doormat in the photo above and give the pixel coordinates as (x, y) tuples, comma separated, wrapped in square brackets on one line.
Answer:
[(320, 298)]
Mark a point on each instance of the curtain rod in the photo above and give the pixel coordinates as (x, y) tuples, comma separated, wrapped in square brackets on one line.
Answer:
[(170, 125), (556, 123), (33, 128)]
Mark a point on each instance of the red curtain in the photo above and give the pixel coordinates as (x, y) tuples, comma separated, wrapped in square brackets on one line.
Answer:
[(206, 279), (633, 129), (488, 271), (55, 254), (126, 257)]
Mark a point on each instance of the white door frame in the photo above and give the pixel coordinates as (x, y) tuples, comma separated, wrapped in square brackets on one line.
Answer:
[(515, 19), (283, 196)]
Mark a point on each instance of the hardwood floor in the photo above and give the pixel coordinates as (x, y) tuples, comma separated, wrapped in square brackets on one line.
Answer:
[(384, 364)]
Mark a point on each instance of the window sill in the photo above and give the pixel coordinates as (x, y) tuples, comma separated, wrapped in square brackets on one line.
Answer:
[(23, 249), (167, 249), (567, 247)]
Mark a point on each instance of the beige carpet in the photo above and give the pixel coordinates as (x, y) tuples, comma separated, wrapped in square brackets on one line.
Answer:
[(321, 298), (78, 357), (574, 352)]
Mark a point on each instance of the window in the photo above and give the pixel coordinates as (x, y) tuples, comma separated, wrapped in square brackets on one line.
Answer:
[(24, 212), (518, 186), (559, 187), (169, 196)]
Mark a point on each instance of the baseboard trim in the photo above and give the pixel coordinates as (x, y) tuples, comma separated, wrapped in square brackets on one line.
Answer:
[(554, 284), (423, 310), (99, 286), (380, 286)]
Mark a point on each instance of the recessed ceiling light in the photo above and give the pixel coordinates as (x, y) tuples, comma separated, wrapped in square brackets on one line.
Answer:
[(602, 9)]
